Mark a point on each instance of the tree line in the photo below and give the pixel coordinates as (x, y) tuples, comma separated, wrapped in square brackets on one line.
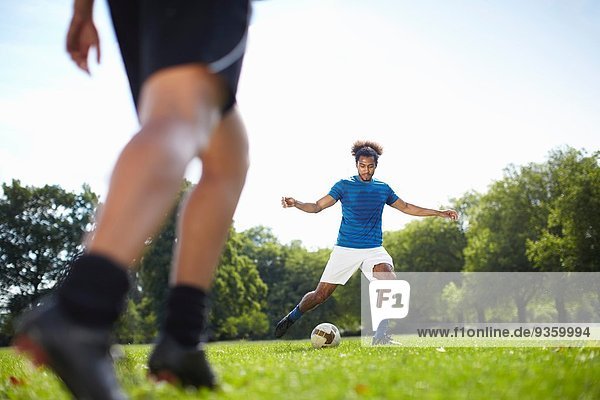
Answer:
[(541, 217)]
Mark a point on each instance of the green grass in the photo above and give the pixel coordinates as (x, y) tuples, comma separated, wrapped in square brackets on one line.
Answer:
[(293, 370)]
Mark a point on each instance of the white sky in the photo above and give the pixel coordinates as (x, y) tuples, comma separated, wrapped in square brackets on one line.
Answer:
[(455, 91)]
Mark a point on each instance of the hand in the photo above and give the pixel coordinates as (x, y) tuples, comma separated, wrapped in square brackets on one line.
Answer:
[(287, 202), (450, 214), (82, 36)]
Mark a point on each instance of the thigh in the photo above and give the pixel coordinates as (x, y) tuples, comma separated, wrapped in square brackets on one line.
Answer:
[(188, 93), (342, 264), (227, 153)]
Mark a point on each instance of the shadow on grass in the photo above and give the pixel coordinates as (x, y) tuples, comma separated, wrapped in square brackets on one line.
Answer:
[(292, 348)]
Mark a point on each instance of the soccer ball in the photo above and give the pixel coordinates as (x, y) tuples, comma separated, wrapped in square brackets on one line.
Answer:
[(325, 335)]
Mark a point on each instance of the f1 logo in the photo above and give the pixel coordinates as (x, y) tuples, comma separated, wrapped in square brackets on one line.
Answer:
[(389, 299)]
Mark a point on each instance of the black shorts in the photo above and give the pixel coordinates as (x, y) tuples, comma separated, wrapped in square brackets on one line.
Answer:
[(156, 34)]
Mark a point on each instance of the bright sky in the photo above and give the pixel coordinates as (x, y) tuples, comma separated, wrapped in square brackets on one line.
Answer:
[(455, 91)]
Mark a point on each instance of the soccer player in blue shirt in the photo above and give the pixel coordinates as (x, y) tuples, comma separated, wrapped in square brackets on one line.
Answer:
[(360, 238)]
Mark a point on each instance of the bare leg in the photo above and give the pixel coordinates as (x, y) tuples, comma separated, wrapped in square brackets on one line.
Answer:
[(318, 296), (386, 272), (205, 219), (179, 108), (308, 302), (209, 208)]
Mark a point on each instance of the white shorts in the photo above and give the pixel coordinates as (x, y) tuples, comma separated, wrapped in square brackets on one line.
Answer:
[(344, 262)]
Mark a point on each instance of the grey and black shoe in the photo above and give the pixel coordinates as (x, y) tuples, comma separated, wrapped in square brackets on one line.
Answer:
[(78, 354), (384, 340), (283, 326), (180, 365)]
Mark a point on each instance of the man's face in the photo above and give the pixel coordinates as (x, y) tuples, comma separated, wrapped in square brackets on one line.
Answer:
[(366, 168)]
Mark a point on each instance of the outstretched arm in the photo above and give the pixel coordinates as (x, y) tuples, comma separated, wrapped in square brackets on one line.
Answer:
[(411, 209), (320, 205)]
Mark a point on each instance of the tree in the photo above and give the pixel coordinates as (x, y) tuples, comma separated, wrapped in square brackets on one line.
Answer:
[(263, 248), (510, 214), (238, 294), (571, 239), (152, 275), (290, 271), (41, 231), (506, 216), (427, 245), (138, 323)]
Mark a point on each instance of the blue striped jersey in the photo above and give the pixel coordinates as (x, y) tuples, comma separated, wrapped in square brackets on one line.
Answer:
[(362, 207)]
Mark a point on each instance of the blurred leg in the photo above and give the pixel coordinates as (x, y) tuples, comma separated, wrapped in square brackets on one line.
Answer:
[(202, 230), (208, 210), (179, 108)]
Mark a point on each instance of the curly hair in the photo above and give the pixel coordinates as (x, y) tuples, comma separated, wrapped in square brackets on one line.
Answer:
[(366, 148)]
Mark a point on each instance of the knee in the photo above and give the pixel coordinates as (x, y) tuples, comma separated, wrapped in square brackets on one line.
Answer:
[(383, 267), (167, 141), (383, 271)]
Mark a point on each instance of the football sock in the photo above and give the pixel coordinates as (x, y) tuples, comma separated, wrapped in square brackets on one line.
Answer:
[(94, 291), (295, 314), (187, 314), (382, 328)]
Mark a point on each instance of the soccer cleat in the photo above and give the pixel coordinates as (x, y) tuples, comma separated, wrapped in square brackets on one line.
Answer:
[(78, 354), (384, 340), (180, 365), (283, 326)]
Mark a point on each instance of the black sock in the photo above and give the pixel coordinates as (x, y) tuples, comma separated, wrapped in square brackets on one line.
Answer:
[(94, 292), (187, 314)]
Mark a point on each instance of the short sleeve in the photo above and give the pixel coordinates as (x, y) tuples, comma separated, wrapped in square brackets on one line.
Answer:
[(337, 190), (392, 197)]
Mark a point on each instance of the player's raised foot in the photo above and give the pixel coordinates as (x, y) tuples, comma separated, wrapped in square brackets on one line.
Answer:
[(384, 340), (283, 326), (180, 365), (78, 354)]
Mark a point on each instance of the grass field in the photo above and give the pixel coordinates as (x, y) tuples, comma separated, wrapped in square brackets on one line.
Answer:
[(293, 370)]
